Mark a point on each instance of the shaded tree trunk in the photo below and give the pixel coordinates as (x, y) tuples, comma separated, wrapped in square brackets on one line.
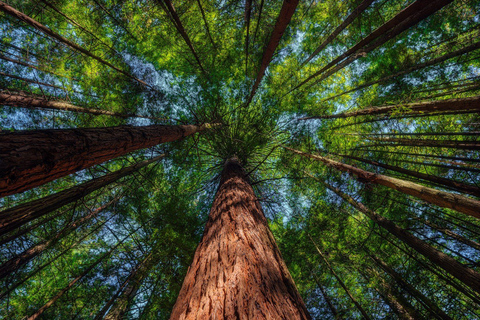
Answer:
[(17, 216), (463, 273), (237, 271), (16, 262), (284, 17), (31, 102), (414, 292), (35, 157), (35, 24), (355, 302), (130, 288), (471, 103), (354, 14), (440, 198), (405, 19), (327, 299), (455, 185), (454, 144)]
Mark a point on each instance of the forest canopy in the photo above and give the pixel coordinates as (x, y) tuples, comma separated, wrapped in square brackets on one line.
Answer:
[(351, 126)]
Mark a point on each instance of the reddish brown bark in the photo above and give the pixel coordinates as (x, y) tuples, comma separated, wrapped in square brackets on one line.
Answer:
[(459, 186), (237, 271), (284, 17), (27, 101), (32, 158), (455, 144), (17, 216), (23, 17), (471, 103), (440, 198), (354, 14)]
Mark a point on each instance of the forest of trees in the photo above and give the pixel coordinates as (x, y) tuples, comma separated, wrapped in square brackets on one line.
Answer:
[(256, 159)]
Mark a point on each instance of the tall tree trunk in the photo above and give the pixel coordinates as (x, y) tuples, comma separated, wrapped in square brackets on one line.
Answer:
[(455, 144), (414, 292), (131, 285), (440, 198), (172, 13), (29, 101), (50, 302), (411, 69), (463, 273), (17, 216), (405, 19), (461, 104), (450, 233), (284, 17), (355, 302), (332, 308), (35, 157), (237, 271), (455, 185), (16, 262), (354, 14), (23, 17), (205, 22)]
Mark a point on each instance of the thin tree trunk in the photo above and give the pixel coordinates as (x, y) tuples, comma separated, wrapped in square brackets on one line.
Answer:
[(411, 69), (19, 260), (119, 23), (455, 185), (206, 25), (397, 303), (172, 13), (31, 102), (359, 307), (284, 17), (78, 278), (461, 104), (352, 16), (23, 17), (248, 11), (408, 17), (13, 218), (132, 284), (237, 271), (35, 157), (468, 276), (450, 234), (440, 198), (455, 144), (327, 299), (414, 292)]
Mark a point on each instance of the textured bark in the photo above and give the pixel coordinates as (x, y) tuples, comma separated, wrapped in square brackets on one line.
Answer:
[(237, 271), (471, 103), (284, 17), (28, 101), (17, 216), (408, 17), (354, 14), (130, 288), (440, 198), (355, 302), (172, 13), (35, 157), (468, 276), (414, 292), (23, 17), (459, 186), (16, 262)]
